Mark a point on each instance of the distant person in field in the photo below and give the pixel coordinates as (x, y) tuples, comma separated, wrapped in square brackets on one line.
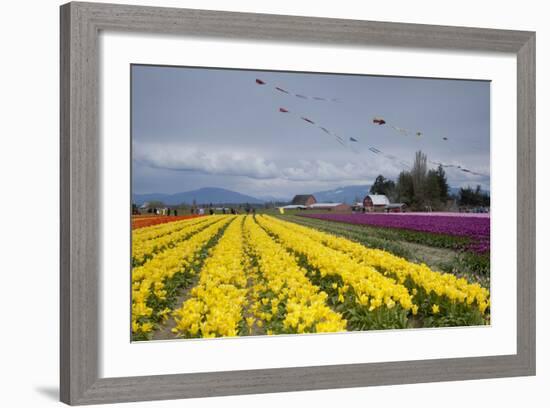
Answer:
[(211, 211), (175, 213)]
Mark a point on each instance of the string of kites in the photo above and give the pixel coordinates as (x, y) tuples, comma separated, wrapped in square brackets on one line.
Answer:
[(403, 131), (297, 95), (376, 121)]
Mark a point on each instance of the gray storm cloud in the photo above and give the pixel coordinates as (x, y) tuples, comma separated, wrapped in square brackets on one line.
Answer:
[(243, 164), (185, 158)]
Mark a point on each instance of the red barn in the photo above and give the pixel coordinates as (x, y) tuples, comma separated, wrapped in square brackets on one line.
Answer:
[(304, 199)]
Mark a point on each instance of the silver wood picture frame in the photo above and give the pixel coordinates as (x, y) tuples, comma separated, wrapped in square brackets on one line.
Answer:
[(81, 24)]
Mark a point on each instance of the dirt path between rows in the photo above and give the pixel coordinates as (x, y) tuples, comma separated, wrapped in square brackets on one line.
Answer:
[(164, 332), (431, 256)]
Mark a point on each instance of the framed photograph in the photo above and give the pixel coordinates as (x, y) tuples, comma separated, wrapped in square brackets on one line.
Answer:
[(262, 203)]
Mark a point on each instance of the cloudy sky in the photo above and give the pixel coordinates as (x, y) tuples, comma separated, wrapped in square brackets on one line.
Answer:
[(196, 127)]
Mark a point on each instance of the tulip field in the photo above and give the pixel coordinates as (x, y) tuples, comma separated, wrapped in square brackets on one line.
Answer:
[(254, 275), (475, 228)]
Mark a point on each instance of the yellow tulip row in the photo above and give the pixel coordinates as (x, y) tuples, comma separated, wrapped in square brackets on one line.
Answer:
[(371, 287), (215, 306), (146, 245), (151, 276), (159, 230), (442, 284), (305, 308)]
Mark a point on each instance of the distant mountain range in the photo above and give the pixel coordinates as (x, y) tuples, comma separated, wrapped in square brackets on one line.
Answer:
[(214, 195), (201, 196), (347, 194)]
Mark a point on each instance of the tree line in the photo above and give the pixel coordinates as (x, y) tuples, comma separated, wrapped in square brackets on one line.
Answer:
[(426, 189)]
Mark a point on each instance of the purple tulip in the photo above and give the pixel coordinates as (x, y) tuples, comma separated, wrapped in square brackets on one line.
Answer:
[(476, 228)]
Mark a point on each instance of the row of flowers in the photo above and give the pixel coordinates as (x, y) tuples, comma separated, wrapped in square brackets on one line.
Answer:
[(371, 288), (149, 279), (158, 230), (144, 222), (475, 229), (284, 298), (419, 278), (145, 245), (214, 308)]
